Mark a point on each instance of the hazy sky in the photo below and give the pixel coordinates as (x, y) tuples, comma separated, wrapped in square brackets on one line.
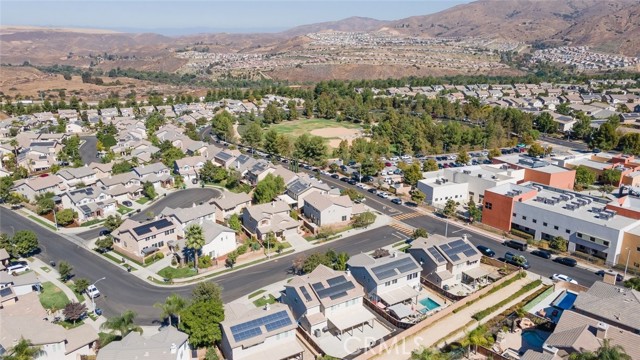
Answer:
[(238, 15)]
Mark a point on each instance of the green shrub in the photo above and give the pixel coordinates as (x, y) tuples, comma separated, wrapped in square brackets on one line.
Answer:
[(522, 234), (204, 262), (159, 255), (255, 246), (242, 249), (486, 312)]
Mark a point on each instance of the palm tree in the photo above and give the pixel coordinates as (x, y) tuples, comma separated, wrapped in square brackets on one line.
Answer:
[(194, 240), (23, 350), (171, 307), (122, 324), (606, 351), (14, 144)]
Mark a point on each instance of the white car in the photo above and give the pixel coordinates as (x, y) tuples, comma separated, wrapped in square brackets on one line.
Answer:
[(93, 291), (406, 157), (18, 268), (395, 158), (561, 277)]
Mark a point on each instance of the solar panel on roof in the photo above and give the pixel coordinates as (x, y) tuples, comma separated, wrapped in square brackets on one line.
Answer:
[(305, 293), (338, 295), (252, 328), (436, 255), (5, 291), (332, 291), (469, 252), (146, 228), (388, 270), (336, 280)]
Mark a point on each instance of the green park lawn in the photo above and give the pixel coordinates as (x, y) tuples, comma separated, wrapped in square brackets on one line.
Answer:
[(52, 297), (176, 273), (299, 127)]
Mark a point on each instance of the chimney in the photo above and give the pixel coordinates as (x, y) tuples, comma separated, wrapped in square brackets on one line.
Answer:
[(173, 348), (347, 272), (601, 332), (609, 277), (266, 307), (548, 349)]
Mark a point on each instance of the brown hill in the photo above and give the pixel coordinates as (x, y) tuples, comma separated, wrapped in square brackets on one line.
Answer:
[(354, 23), (616, 32), (522, 20)]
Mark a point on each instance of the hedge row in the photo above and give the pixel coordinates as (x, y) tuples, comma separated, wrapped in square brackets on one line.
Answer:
[(484, 313)]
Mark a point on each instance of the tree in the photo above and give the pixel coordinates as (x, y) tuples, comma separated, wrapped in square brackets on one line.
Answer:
[(252, 135), (44, 203), (23, 243), (380, 253), (463, 158), (559, 243), (450, 208), (420, 232), (363, 220), (430, 165), (194, 240), (23, 350), (211, 173), (584, 176), (427, 354), (536, 150), (201, 320), (207, 291), (611, 177), (66, 216), (6, 183), (606, 351), (352, 193), (633, 283), (475, 214), (112, 222), (340, 263), (74, 311), (104, 244), (582, 128), (148, 190), (417, 196), (172, 306), (65, 269), (122, 325), (412, 174), (235, 223), (312, 261), (81, 285), (493, 153), (545, 123), (268, 189), (310, 148), (121, 167)]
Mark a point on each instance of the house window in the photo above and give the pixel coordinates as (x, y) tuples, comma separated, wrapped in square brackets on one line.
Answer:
[(395, 281), (344, 218), (514, 214), (488, 205), (544, 224), (169, 232), (535, 221), (555, 227), (568, 231), (387, 283), (524, 217)]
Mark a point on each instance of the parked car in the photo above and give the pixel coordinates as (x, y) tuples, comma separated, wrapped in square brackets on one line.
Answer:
[(486, 251), (562, 277), (344, 179), (352, 181), (367, 179), (93, 291), (619, 277), (17, 268), (516, 260), (397, 201), (387, 164), (514, 244), (128, 203), (104, 232), (382, 194), (335, 176), (566, 261), (541, 253)]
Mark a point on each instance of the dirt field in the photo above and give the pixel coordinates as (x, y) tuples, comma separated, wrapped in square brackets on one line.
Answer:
[(331, 130), (337, 134)]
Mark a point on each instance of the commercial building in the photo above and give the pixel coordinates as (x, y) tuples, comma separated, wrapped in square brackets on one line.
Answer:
[(539, 171)]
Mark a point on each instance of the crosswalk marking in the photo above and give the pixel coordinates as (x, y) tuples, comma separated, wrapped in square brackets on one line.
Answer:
[(407, 215), (402, 228)]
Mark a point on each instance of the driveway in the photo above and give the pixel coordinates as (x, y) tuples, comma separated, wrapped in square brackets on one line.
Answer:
[(179, 199)]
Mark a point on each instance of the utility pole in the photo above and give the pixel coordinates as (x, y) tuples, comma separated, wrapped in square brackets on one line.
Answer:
[(626, 266)]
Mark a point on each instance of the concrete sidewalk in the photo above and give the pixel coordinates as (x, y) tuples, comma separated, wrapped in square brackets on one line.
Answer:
[(451, 324)]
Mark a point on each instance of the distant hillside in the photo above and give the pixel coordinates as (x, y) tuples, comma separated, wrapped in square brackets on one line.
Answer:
[(523, 20), (616, 32), (354, 23)]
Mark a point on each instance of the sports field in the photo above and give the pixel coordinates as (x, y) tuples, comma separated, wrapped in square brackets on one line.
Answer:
[(331, 130)]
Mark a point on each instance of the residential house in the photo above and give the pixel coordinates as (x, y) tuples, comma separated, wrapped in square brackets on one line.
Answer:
[(267, 333), (189, 167), (125, 186), (273, 217), (167, 344), (612, 304), (391, 279), (140, 239), (101, 169), (194, 214), (90, 202), (32, 187), (26, 318), (21, 284), (325, 210), (328, 302), (230, 203), (157, 174), (225, 158), (80, 175), (302, 187), (447, 262)]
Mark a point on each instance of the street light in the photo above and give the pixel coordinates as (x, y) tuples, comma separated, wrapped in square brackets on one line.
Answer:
[(93, 302), (626, 266)]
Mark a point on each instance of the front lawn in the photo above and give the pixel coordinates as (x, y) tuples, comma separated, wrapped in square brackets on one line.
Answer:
[(175, 273), (262, 301), (143, 200), (42, 222), (92, 222), (52, 297), (124, 210)]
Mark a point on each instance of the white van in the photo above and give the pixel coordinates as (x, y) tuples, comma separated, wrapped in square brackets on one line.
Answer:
[(18, 268)]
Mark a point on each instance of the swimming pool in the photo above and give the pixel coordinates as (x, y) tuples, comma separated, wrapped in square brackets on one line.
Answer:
[(429, 304), (533, 339), (565, 300)]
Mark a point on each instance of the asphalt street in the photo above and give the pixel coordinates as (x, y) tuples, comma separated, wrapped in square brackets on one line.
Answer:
[(88, 151), (576, 145), (180, 199), (121, 291)]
